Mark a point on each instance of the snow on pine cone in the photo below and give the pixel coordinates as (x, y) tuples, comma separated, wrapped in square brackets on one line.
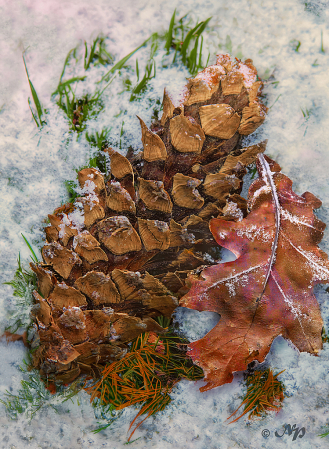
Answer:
[(118, 256)]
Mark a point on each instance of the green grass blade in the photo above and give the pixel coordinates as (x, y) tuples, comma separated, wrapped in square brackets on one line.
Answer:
[(86, 55), (202, 27), (122, 61), (322, 47), (99, 429), (107, 85), (195, 32), (34, 96), (170, 32), (61, 86), (66, 63), (69, 102), (187, 42), (34, 117), (130, 442), (200, 53), (228, 44), (322, 435), (137, 69), (108, 57), (192, 59), (208, 59), (34, 256), (36, 102), (91, 55)]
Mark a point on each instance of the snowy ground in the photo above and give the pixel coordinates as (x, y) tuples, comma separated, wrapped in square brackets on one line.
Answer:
[(34, 166)]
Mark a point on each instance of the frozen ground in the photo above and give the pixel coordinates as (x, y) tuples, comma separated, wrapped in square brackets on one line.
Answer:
[(34, 166)]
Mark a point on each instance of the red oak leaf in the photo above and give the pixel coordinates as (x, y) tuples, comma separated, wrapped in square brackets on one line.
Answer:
[(268, 290)]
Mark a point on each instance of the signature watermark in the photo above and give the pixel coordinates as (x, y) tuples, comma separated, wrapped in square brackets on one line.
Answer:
[(288, 429), (266, 433)]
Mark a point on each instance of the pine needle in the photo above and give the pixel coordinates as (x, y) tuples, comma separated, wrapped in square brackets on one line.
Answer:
[(145, 376), (264, 393)]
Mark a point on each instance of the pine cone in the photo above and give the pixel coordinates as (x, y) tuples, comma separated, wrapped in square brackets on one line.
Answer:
[(118, 257)]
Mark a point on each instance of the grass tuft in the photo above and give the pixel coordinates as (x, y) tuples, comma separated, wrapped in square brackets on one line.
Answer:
[(71, 188), (80, 109), (150, 69), (98, 160), (191, 48), (184, 39), (23, 284), (36, 394), (264, 393), (99, 140), (306, 113), (96, 53)]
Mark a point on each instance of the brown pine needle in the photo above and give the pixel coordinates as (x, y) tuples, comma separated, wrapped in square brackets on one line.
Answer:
[(145, 376), (264, 393)]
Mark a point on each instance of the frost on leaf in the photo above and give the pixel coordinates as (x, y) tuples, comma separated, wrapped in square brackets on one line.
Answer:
[(268, 290)]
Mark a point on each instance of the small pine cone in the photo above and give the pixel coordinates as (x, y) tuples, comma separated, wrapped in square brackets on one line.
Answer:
[(119, 256)]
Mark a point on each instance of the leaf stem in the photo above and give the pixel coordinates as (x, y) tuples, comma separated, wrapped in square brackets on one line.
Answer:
[(268, 179)]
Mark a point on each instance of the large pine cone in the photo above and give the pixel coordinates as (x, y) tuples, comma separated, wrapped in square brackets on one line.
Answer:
[(118, 257)]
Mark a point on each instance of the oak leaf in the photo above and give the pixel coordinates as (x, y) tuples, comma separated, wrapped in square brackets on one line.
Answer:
[(268, 290)]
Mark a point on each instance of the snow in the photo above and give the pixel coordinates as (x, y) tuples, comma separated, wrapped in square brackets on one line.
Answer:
[(249, 76), (293, 306), (253, 232), (34, 166), (77, 216), (286, 215), (233, 210)]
